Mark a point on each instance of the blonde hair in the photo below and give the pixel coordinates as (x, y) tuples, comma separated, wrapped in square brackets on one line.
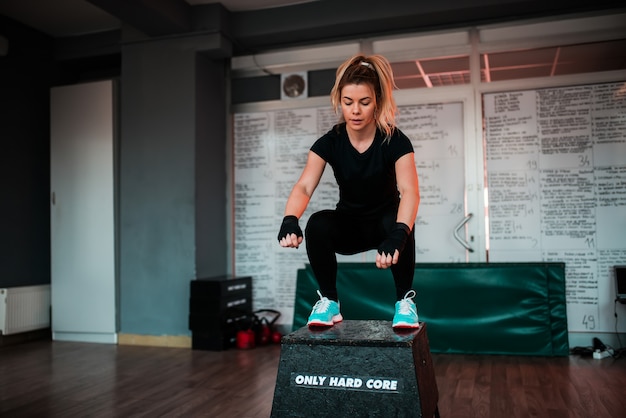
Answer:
[(376, 71)]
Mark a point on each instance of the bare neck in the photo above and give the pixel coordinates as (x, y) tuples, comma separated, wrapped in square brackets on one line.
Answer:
[(361, 139)]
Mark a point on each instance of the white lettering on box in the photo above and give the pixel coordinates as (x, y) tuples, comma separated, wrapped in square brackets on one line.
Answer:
[(235, 287), (382, 384), (344, 382)]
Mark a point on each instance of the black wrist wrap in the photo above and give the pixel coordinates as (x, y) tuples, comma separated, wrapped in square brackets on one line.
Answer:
[(396, 240), (289, 226)]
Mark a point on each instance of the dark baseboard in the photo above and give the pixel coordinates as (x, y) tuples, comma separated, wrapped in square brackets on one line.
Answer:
[(23, 337)]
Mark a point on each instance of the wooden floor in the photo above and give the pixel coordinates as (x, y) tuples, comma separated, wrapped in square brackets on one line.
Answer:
[(62, 379)]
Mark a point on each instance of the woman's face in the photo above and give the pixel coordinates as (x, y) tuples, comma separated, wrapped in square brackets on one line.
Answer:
[(358, 104)]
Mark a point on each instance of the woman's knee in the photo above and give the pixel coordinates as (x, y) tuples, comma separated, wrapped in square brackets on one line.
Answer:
[(320, 224)]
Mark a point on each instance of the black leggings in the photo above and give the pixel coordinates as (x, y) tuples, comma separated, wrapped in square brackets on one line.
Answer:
[(330, 232)]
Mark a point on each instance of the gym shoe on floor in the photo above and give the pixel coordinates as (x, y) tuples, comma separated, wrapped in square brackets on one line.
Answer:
[(325, 312), (406, 312)]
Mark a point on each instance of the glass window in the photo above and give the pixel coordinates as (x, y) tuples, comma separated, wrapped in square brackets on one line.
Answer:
[(553, 61), (432, 72)]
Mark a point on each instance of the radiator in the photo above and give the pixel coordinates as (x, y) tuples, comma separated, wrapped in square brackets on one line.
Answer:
[(24, 308)]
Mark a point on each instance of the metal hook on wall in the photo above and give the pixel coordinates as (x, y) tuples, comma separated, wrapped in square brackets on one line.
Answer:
[(458, 237)]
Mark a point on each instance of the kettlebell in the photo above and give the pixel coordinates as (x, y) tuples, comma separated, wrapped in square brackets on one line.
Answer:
[(276, 337), (246, 339), (266, 335)]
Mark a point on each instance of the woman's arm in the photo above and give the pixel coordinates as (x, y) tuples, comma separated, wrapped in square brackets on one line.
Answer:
[(408, 186), (305, 186), (301, 194)]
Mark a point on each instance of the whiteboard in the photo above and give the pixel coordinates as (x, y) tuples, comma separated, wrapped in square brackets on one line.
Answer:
[(556, 178), (270, 150)]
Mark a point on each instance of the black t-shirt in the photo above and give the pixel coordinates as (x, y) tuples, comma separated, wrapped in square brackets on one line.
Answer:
[(367, 181)]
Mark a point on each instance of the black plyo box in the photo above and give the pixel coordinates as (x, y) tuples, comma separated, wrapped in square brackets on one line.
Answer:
[(356, 369), (218, 300), (221, 289), (216, 308)]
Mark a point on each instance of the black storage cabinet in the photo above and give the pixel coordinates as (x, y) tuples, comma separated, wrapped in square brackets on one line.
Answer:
[(218, 308)]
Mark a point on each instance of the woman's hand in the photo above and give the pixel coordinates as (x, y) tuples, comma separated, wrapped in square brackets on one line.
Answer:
[(384, 261), (389, 250), (290, 234), (290, 241)]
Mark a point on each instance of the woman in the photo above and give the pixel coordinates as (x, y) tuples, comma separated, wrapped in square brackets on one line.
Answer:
[(374, 165)]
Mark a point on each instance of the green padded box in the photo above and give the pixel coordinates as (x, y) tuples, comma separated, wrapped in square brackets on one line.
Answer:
[(480, 308)]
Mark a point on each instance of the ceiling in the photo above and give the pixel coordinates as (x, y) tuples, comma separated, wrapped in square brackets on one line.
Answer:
[(69, 18), (61, 18)]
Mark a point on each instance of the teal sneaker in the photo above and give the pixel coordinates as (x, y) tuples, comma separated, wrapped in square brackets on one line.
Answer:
[(325, 312), (406, 312)]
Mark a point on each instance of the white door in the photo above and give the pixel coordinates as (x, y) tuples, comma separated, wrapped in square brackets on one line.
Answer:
[(82, 213)]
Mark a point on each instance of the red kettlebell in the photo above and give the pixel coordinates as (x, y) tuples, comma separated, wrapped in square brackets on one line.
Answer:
[(266, 335), (276, 337), (245, 339)]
